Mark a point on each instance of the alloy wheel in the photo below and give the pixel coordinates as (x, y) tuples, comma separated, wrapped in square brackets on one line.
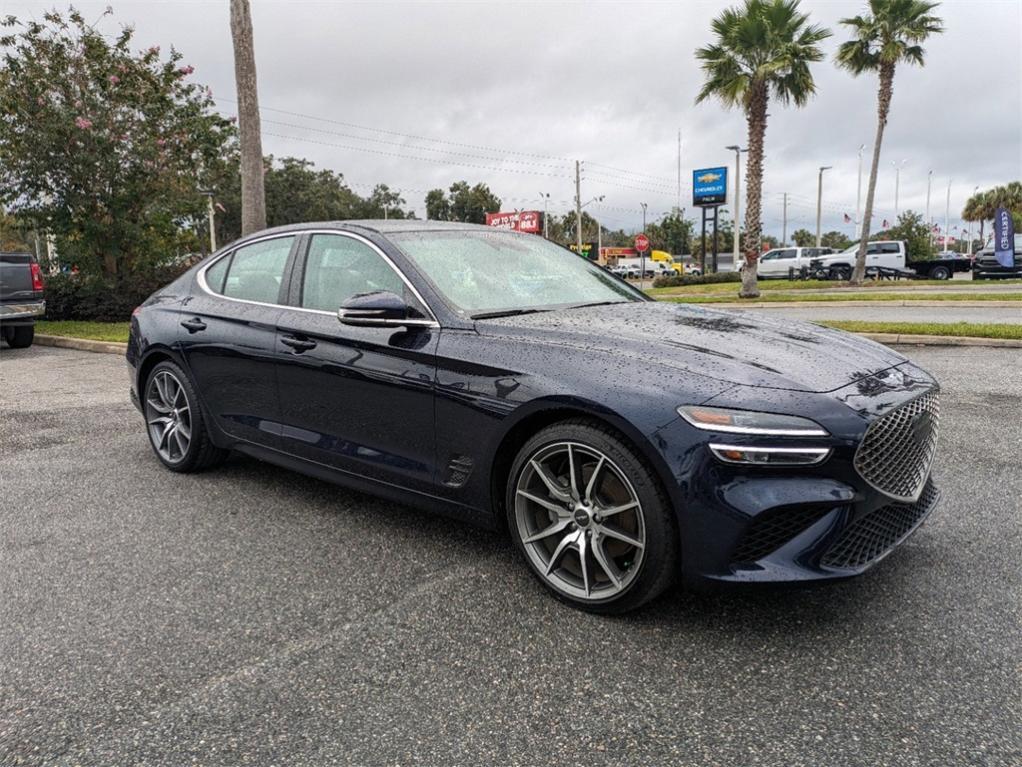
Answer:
[(580, 521), (168, 415)]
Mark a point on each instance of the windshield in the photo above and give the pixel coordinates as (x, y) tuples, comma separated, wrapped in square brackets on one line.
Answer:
[(484, 273)]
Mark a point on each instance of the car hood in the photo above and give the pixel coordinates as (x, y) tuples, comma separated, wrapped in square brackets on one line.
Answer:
[(732, 346)]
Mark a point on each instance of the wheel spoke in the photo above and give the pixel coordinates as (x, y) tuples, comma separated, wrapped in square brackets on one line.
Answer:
[(563, 546), (592, 480), (618, 509), (181, 446), (583, 548), (604, 561), (184, 429), (554, 489), (546, 532), (621, 535), (165, 438), (571, 473), (161, 387), (162, 420), (159, 407), (549, 505), (179, 393)]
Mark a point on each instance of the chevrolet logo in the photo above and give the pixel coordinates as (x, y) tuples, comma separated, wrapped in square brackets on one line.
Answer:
[(708, 178)]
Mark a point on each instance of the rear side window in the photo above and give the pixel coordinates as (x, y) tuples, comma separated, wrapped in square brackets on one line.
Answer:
[(340, 267), (256, 271), (216, 273), (789, 253), (890, 247)]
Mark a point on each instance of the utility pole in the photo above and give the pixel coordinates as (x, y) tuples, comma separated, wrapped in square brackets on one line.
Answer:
[(578, 206), (858, 198), (546, 199), (678, 209), (929, 219), (947, 213), (819, 202), (784, 222), (642, 263), (253, 194)]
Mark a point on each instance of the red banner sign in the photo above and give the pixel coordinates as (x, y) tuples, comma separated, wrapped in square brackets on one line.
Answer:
[(521, 221)]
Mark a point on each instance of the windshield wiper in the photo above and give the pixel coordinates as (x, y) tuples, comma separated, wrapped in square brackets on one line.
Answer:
[(506, 313), (598, 303)]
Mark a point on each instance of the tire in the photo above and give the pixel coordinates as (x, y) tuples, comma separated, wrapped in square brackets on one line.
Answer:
[(841, 273), (19, 336), (175, 422), (628, 561), (939, 273)]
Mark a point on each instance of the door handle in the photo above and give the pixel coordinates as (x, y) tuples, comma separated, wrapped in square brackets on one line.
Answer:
[(298, 344), (194, 325)]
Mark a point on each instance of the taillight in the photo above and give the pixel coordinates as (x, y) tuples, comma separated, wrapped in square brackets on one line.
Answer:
[(37, 277)]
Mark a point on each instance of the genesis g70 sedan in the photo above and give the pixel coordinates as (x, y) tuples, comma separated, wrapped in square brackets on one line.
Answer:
[(500, 378)]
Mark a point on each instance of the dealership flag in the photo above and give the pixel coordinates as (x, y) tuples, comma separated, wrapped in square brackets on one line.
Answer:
[(1004, 238)]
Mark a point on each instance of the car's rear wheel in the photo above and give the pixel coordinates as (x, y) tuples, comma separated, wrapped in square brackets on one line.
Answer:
[(19, 336), (174, 421), (591, 519), (940, 273)]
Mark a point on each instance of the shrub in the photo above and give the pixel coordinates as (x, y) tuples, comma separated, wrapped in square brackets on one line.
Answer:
[(676, 281), (101, 299)]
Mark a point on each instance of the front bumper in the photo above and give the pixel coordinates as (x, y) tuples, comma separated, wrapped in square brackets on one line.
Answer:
[(22, 311), (759, 524)]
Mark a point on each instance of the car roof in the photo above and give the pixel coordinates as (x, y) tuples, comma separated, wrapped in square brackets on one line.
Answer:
[(385, 227)]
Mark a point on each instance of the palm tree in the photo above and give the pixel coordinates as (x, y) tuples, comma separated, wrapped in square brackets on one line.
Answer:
[(253, 194), (890, 34), (762, 49)]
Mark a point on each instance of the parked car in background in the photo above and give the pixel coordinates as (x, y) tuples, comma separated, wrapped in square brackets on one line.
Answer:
[(985, 265), (887, 254), (779, 262), (21, 298), (494, 376)]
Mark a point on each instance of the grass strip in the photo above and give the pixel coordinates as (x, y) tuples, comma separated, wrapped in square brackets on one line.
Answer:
[(786, 298), (961, 329), (92, 331), (766, 286)]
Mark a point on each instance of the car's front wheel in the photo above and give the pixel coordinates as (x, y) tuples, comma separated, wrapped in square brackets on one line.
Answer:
[(175, 423), (590, 518)]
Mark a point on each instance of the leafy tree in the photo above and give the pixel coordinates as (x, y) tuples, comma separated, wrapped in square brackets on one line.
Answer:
[(671, 233), (835, 239), (104, 147), (803, 238), (911, 228), (762, 48), (891, 33), (14, 235), (296, 192), (469, 204)]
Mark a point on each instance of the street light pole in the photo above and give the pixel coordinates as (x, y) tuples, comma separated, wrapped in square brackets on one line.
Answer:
[(858, 198), (929, 220), (738, 199), (546, 199), (947, 213), (897, 184), (969, 239), (819, 202)]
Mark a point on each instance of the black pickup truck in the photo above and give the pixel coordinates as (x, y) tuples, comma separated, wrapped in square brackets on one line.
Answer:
[(21, 298)]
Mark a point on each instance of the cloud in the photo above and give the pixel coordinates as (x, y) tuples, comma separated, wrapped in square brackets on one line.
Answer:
[(519, 91)]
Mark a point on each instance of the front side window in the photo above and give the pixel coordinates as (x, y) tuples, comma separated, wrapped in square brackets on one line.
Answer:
[(789, 253), (340, 267), (256, 271), (498, 272)]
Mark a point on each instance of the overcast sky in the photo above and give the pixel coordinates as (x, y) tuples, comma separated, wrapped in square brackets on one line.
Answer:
[(513, 93)]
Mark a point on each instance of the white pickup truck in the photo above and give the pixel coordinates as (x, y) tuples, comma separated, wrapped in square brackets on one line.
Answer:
[(887, 254), (779, 261)]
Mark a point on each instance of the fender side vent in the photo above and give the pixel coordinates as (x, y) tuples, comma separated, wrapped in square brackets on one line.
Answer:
[(458, 471)]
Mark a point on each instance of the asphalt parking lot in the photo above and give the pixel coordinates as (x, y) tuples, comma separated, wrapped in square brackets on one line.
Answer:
[(254, 616)]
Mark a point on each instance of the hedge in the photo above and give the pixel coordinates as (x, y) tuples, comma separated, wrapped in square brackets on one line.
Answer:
[(676, 281), (100, 299)]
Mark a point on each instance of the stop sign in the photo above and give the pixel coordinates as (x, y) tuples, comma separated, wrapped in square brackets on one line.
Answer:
[(641, 243)]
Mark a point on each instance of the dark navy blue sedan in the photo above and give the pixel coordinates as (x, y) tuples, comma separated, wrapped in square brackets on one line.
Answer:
[(500, 378)]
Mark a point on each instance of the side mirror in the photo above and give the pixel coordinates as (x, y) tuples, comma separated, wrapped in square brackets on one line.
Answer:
[(378, 309)]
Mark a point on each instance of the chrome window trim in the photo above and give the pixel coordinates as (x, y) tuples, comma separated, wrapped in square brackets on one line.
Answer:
[(201, 276)]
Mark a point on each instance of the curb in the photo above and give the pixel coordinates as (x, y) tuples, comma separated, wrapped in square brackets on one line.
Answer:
[(877, 304), (113, 347), (909, 339), (82, 344)]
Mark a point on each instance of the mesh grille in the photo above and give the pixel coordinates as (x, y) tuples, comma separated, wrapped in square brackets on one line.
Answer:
[(898, 448), (876, 533), (772, 529)]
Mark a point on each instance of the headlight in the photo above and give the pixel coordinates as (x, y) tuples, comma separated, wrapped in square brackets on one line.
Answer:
[(731, 421), (770, 456)]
